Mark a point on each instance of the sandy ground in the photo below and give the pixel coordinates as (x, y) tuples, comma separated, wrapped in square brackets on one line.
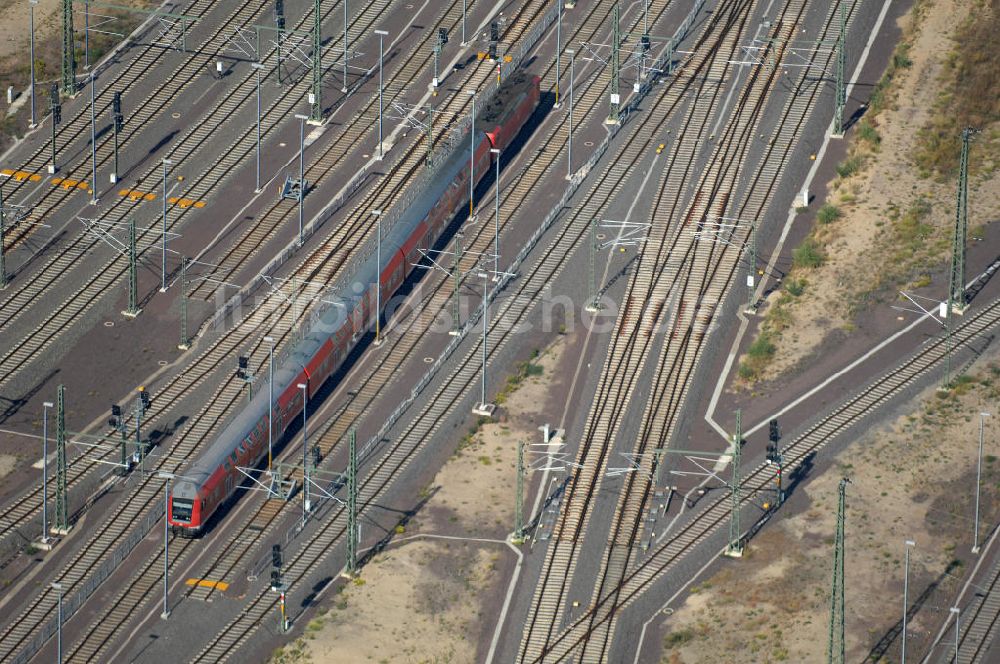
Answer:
[(423, 600), (14, 20), (912, 479), (858, 243)]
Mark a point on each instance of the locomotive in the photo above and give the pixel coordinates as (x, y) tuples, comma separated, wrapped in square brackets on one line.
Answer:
[(213, 477)]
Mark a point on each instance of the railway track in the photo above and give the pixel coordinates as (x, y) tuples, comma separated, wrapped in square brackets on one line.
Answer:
[(140, 117), (420, 429), (178, 457), (401, 347), (59, 268), (634, 339), (679, 360), (25, 507), (851, 412), (980, 623)]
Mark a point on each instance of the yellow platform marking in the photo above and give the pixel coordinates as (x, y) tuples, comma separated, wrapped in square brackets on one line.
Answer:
[(20, 176), (68, 184), (185, 202), (207, 583), (135, 195)]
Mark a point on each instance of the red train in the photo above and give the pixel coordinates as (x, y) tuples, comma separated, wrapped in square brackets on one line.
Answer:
[(213, 477)]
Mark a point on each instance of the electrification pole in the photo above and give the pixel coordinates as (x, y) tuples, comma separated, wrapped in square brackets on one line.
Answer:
[(519, 496), (45, 470), (456, 272), (592, 304), (68, 50), (305, 453), (279, 24), (569, 137), (496, 215), (615, 46), (344, 89), (133, 273), (735, 547), (118, 123), (56, 119), (352, 503), (62, 510), (751, 266), (381, 34), (93, 139), (185, 339), (378, 277), (31, 54), (3, 262), (302, 182), (559, 8), (472, 151), (270, 402), (956, 286), (838, 112), (258, 66), (837, 586), (163, 239), (316, 98)]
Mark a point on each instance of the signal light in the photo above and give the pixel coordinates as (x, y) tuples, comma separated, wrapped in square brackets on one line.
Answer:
[(775, 435), (494, 31), (493, 51), (144, 398), (644, 40), (116, 103), (276, 556), (442, 36)]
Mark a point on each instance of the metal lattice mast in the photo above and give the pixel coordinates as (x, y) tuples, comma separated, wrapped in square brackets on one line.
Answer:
[(317, 66), (133, 278), (62, 511), (838, 113), (456, 313), (956, 287), (3, 262), (185, 339), (735, 547), (279, 24), (519, 496), (615, 45), (68, 49), (837, 586), (352, 503)]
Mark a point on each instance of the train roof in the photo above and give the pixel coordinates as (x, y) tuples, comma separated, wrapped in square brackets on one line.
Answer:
[(348, 296), (505, 99)]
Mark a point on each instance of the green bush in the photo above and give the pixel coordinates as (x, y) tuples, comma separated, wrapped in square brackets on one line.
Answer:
[(868, 133), (761, 348), (808, 255), (849, 167), (828, 214), (795, 287)]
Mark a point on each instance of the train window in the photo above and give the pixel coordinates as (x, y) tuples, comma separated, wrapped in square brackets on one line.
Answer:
[(181, 509)]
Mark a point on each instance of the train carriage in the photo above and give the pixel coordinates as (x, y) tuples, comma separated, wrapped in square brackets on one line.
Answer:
[(214, 476)]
